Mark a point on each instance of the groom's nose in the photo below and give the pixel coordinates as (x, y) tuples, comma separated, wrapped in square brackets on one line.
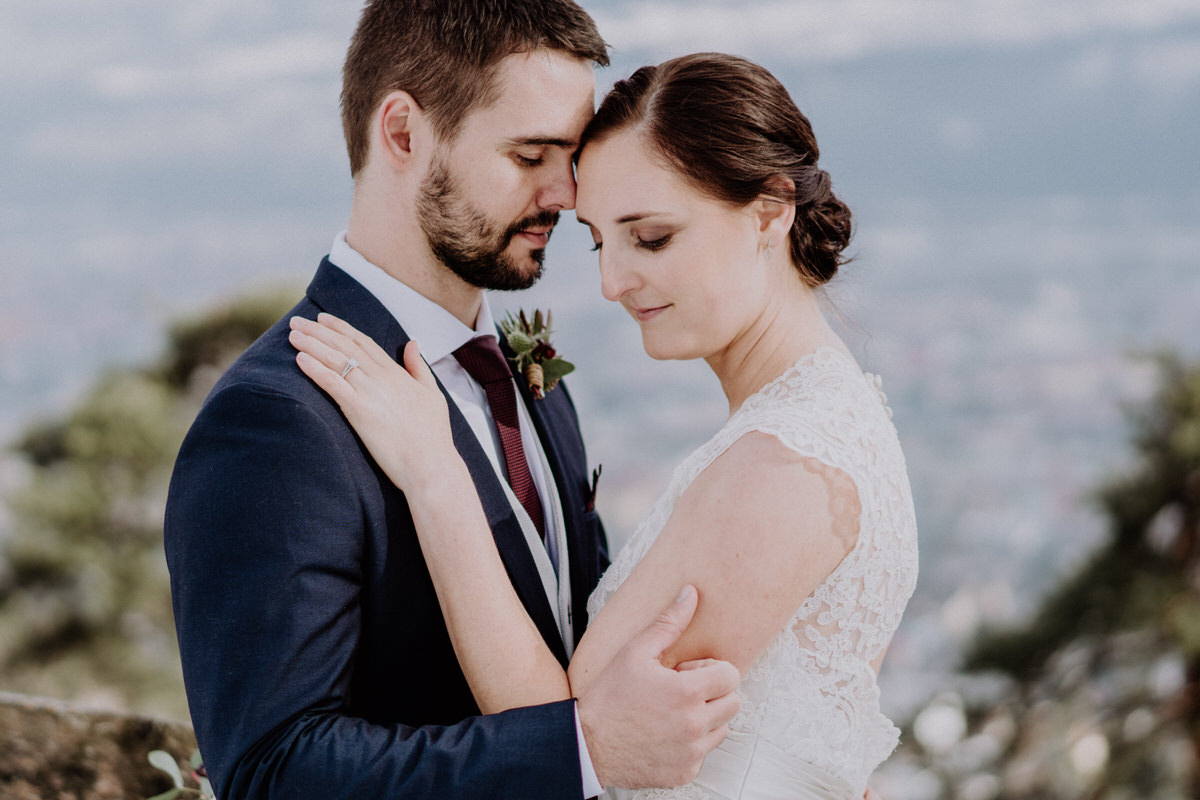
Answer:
[(558, 193)]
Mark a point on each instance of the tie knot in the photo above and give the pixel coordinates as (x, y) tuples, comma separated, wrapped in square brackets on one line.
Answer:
[(483, 361)]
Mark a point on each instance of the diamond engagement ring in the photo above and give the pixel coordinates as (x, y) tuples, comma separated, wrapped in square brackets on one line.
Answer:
[(350, 364)]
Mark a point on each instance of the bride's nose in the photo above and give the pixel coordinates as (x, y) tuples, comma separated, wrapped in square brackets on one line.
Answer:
[(616, 279)]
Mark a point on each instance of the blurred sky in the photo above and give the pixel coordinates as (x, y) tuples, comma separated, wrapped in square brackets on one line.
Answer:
[(1024, 178)]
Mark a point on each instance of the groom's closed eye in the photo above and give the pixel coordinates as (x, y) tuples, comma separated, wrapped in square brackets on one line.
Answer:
[(530, 151), (527, 160)]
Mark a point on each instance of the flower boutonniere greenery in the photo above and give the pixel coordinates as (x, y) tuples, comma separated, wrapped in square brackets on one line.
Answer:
[(535, 356)]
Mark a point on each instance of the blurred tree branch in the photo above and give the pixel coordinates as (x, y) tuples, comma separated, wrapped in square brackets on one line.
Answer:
[(85, 608)]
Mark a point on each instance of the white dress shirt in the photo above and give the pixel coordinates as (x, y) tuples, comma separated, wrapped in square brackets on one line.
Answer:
[(439, 333)]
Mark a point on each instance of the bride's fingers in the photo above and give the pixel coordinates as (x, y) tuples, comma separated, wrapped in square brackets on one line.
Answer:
[(331, 345), (367, 346), (417, 367), (329, 380), (331, 354), (336, 349), (322, 341)]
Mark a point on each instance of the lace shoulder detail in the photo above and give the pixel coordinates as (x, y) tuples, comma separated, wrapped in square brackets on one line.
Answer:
[(813, 693)]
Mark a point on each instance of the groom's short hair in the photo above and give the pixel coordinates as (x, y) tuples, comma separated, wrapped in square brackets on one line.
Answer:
[(442, 53)]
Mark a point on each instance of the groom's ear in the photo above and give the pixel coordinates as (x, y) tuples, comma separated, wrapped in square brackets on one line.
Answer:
[(400, 129)]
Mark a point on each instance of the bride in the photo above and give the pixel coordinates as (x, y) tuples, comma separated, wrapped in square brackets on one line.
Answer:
[(715, 229)]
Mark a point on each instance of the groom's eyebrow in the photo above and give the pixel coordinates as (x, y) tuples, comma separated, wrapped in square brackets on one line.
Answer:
[(543, 141)]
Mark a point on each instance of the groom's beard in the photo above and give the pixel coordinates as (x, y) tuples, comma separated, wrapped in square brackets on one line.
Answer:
[(470, 244)]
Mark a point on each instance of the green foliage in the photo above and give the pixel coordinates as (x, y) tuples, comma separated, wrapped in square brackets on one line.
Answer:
[(1140, 578), (86, 606), (210, 340), (1095, 599)]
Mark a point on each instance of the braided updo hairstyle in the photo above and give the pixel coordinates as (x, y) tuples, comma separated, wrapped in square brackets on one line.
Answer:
[(730, 129)]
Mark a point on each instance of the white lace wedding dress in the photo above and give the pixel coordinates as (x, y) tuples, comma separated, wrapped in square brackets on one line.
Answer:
[(810, 724)]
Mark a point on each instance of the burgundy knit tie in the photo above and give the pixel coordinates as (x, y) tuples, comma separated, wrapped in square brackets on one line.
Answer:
[(483, 361)]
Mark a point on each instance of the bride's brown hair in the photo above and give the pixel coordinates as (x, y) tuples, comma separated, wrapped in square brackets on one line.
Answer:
[(731, 130)]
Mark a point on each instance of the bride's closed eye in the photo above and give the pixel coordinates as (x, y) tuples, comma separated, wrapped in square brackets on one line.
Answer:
[(654, 245)]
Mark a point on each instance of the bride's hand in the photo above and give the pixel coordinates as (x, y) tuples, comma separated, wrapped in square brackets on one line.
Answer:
[(400, 415)]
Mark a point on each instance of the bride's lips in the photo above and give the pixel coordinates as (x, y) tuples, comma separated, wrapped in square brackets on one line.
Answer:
[(646, 314)]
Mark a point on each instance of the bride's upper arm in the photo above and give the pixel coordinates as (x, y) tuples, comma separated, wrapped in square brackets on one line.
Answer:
[(756, 533)]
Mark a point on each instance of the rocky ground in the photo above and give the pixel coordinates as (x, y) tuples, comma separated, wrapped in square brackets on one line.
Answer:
[(57, 751)]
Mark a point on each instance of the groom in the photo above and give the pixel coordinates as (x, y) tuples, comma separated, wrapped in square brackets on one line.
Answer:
[(315, 656)]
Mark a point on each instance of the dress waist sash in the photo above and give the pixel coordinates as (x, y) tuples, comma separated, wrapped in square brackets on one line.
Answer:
[(745, 767)]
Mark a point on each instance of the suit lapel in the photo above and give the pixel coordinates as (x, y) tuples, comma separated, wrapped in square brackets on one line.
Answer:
[(336, 292), (506, 529), (564, 472)]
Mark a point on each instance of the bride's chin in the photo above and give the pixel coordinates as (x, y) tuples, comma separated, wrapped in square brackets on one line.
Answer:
[(661, 350)]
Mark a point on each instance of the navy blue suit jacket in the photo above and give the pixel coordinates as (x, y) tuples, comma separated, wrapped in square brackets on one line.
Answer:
[(315, 656)]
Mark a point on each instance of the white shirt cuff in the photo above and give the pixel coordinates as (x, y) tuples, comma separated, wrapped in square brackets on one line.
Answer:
[(591, 783)]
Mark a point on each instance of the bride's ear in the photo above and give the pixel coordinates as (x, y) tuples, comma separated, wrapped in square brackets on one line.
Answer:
[(773, 213), (401, 130)]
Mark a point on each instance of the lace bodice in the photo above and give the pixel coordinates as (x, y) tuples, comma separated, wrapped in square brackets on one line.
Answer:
[(812, 697)]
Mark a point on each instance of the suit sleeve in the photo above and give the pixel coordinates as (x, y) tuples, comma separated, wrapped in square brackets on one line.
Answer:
[(264, 540)]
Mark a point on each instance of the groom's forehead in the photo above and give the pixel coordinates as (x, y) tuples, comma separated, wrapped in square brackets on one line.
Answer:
[(541, 94)]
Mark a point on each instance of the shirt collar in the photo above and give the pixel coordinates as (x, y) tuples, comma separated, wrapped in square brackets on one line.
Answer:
[(438, 332)]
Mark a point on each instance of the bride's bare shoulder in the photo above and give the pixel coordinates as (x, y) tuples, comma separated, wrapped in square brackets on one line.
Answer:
[(757, 531)]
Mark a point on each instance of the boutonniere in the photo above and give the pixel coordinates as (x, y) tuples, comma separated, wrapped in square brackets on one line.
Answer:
[(535, 356)]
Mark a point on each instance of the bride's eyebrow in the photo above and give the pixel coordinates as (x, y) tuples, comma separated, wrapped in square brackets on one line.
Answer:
[(639, 215)]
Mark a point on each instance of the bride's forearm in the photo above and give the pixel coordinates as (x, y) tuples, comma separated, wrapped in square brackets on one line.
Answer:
[(502, 654), (403, 420)]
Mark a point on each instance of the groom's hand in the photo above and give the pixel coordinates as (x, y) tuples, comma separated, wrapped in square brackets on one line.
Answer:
[(649, 725)]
